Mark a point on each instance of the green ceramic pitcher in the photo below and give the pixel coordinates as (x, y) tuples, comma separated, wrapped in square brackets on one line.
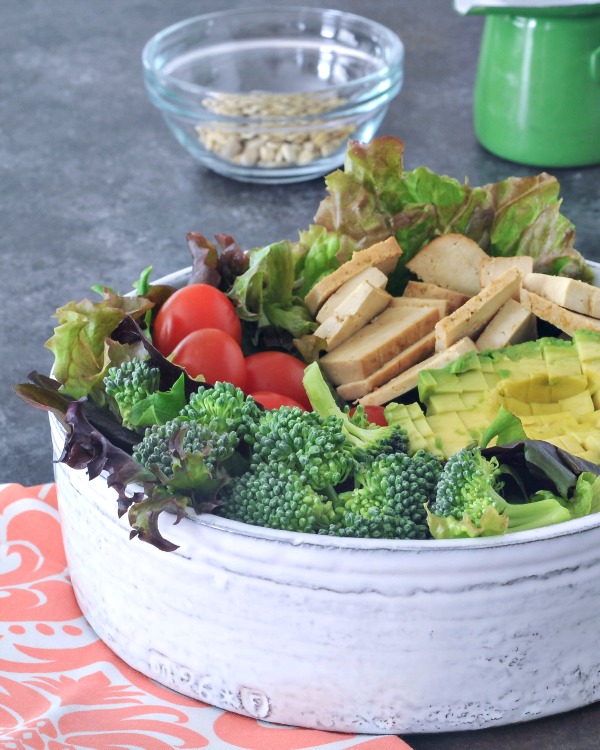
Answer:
[(537, 90)]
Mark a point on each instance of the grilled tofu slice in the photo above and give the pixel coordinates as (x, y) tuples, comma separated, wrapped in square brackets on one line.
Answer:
[(356, 310), (418, 289), (375, 344), (492, 268), (451, 261), (383, 255), (408, 357), (470, 319), (570, 293), (565, 320), (409, 379), (440, 304), (512, 324), (373, 275)]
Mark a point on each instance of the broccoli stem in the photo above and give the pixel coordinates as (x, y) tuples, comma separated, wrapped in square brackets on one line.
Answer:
[(535, 514), (319, 393), (322, 400), (532, 515)]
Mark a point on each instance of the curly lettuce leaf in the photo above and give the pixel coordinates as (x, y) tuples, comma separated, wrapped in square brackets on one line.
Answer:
[(80, 344), (266, 295), (320, 253), (88, 448), (374, 197)]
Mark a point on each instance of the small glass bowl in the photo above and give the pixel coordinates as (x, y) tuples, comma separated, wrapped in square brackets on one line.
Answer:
[(271, 94)]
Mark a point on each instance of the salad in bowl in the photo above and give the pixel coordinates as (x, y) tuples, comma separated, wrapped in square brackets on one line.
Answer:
[(353, 447)]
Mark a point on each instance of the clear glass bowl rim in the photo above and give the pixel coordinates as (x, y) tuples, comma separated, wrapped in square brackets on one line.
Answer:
[(171, 84)]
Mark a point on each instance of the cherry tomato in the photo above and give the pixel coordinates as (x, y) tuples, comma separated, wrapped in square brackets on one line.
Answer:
[(272, 400), (374, 414), (277, 372), (191, 308), (213, 354)]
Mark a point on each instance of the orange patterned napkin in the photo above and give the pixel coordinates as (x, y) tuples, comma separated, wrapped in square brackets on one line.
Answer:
[(61, 688)]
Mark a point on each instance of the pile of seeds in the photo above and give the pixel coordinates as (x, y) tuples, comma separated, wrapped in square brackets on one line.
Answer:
[(265, 142)]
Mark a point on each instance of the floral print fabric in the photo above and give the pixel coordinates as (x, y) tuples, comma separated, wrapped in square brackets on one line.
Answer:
[(61, 688)]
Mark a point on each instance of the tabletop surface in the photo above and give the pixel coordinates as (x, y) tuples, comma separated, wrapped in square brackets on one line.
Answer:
[(93, 189)]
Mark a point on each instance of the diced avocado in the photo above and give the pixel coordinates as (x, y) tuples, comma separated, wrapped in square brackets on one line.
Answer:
[(441, 403), (591, 441), (450, 433), (400, 415), (427, 384), (590, 420), (514, 388), (541, 408), (592, 374), (473, 380), (473, 398), (491, 378), (571, 444), (539, 390), (542, 382), (474, 423), (530, 350), (592, 455), (487, 363), (587, 344), (568, 367), (517, 407), (555, 440), (557, 350), (579, 404), (570, 385), (466, 362), (557, 420), (446, 382), (415, 411)]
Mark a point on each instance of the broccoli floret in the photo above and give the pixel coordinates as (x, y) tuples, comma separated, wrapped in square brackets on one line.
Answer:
[(188, 457), (389, 498), (274, 496), (127, 385), (366, 442), (304, 443), (469, 502), (224, 407)]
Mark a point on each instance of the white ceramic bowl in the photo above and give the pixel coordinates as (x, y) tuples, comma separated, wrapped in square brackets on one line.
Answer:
[(343, 634)]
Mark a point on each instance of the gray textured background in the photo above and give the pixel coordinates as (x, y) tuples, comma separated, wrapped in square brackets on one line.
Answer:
[(93, 188)]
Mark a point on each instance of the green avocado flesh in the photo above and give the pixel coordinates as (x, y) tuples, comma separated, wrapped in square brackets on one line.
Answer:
[(552, 385)]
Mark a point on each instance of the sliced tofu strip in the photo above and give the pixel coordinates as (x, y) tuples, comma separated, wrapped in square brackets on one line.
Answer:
[(566, 320), (452, 261), (409, 379), (374, 276), (376, 343), (491, 268), (440, 304), (417, 289), (570, 293), (512, 324), (354, 312), (470, 319), (408, 357), (383, 255)]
